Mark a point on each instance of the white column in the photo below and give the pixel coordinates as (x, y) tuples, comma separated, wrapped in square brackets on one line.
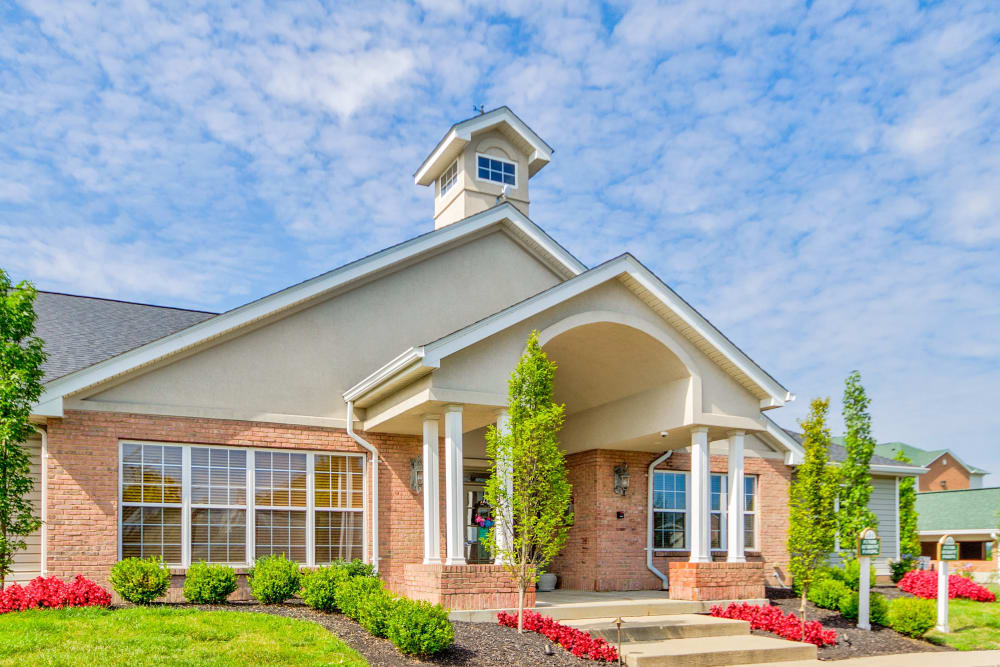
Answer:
[(432, 492), (503, 520), (699, 496), (454, 505), (942, 596), (734, 523)]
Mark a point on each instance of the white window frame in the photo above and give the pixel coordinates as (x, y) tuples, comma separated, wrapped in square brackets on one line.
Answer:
[(724, 504), (250, 503), (498, 159), (687, 511), (445, 183)]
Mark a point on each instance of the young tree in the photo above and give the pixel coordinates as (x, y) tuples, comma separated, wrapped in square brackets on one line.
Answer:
[(21, 358), (909, 538), (812, 524), (528, 486), (855, 472)]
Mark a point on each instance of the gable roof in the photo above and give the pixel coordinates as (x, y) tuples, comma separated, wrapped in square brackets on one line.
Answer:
[(460, 134), (503, 216), (923, 457), (967, 509), (838, 454), (80, 331), (664, 301)]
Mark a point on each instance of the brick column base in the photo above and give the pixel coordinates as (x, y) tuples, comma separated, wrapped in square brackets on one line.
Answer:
[(716, 581), (463, 586)]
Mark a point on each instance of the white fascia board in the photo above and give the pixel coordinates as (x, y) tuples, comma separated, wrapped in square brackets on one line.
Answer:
[(964, 531), (292, 296), (778, 395), (49, 408), (794, 454), (462, 132), (900, 470), (411, 357)]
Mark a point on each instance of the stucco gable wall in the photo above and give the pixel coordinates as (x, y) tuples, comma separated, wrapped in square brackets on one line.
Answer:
[(302, 363), (486, 366)]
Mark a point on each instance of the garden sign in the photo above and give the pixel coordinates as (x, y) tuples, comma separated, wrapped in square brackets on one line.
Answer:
[(947, 550), (869, 544)]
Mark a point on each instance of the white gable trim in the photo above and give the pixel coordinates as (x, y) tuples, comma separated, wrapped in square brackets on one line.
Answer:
[(50, 403), (461, 134), (430, 355)]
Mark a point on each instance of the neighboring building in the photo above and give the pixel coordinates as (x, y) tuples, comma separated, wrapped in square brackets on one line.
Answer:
[(971, 516), (310, 421), (945, 470)]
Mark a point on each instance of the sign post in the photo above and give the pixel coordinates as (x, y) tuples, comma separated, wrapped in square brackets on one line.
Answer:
[(947, 550), (869, 544)]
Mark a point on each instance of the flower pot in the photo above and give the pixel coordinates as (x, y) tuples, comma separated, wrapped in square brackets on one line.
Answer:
[(546, 582)]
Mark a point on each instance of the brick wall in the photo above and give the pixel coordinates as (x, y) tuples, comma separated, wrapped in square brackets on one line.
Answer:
[(604, 553), (716, 581), (952, 475), (464, 586)]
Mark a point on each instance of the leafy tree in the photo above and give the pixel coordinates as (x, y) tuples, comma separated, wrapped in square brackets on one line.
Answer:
[(855, 472), (909, 538), (21, 358), (812, 523), (532, 500)]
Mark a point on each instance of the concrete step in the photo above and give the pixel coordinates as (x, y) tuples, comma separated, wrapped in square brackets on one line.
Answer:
[(711, 651), (610, 608), (651, 628)]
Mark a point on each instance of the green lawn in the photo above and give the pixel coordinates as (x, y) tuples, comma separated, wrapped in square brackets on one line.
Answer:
[(166, 636), (974, 626)]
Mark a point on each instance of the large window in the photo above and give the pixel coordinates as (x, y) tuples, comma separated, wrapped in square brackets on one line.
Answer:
[(496, 170), (671, 509), (187, 503)]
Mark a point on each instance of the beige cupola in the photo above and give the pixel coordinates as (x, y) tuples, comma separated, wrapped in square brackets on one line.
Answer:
[(480, 163)]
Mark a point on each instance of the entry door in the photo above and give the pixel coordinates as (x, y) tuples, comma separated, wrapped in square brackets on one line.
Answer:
[(475, 550)]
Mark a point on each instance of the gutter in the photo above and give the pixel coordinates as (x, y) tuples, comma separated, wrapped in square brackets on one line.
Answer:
[(374, 452), (649, 519)]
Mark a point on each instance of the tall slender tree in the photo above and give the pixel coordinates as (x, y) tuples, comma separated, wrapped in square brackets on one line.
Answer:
[(812, 523), (855, 472), (528, 485), (21, 357), (909, 538)]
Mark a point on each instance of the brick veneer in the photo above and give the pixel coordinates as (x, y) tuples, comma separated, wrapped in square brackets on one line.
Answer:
[(604, 553), (465, 586), (716, 581)]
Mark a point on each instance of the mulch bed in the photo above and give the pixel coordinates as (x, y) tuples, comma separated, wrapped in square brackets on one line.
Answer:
[(851, 641), (480, 644)]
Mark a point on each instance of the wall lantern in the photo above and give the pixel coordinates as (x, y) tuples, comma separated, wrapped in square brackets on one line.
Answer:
[(621, 479), (416, 474)]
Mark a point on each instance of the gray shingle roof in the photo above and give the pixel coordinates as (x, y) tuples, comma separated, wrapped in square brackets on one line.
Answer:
[(838, 453), (80, 331)]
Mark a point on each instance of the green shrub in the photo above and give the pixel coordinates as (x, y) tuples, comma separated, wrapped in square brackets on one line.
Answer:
[(209, 584), (274, 579), (140, 580), (319, 587), (352, 591), (374, 611), (356, 568), (900, 567), (850, 573), (827, 593), (420, 628), (912, 617), (878, 608)]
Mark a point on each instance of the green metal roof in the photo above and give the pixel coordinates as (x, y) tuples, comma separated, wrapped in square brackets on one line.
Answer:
[(919, 457), (968, 509)]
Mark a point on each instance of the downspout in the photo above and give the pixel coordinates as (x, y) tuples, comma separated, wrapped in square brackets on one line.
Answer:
[(44, 510), (649, 519), (374, 452)]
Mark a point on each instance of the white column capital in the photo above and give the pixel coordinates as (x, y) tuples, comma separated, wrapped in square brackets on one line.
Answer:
[(699, 429), (501, 412), (735, 434), (430, 417), (453, 407)]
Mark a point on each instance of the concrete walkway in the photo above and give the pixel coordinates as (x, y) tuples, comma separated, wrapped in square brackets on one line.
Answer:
[(936, 659)]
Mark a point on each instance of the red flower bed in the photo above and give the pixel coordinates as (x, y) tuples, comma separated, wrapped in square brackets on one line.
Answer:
[(53, 593), (772, 619), (579, 643), (923, 584)]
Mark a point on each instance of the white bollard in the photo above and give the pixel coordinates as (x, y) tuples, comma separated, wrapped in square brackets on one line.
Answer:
[(942, 600), (864, 592)]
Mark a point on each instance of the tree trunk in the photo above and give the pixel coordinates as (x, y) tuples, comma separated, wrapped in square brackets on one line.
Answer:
[(520, 607)]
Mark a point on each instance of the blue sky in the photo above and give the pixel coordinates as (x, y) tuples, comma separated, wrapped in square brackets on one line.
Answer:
[(820, 179)]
